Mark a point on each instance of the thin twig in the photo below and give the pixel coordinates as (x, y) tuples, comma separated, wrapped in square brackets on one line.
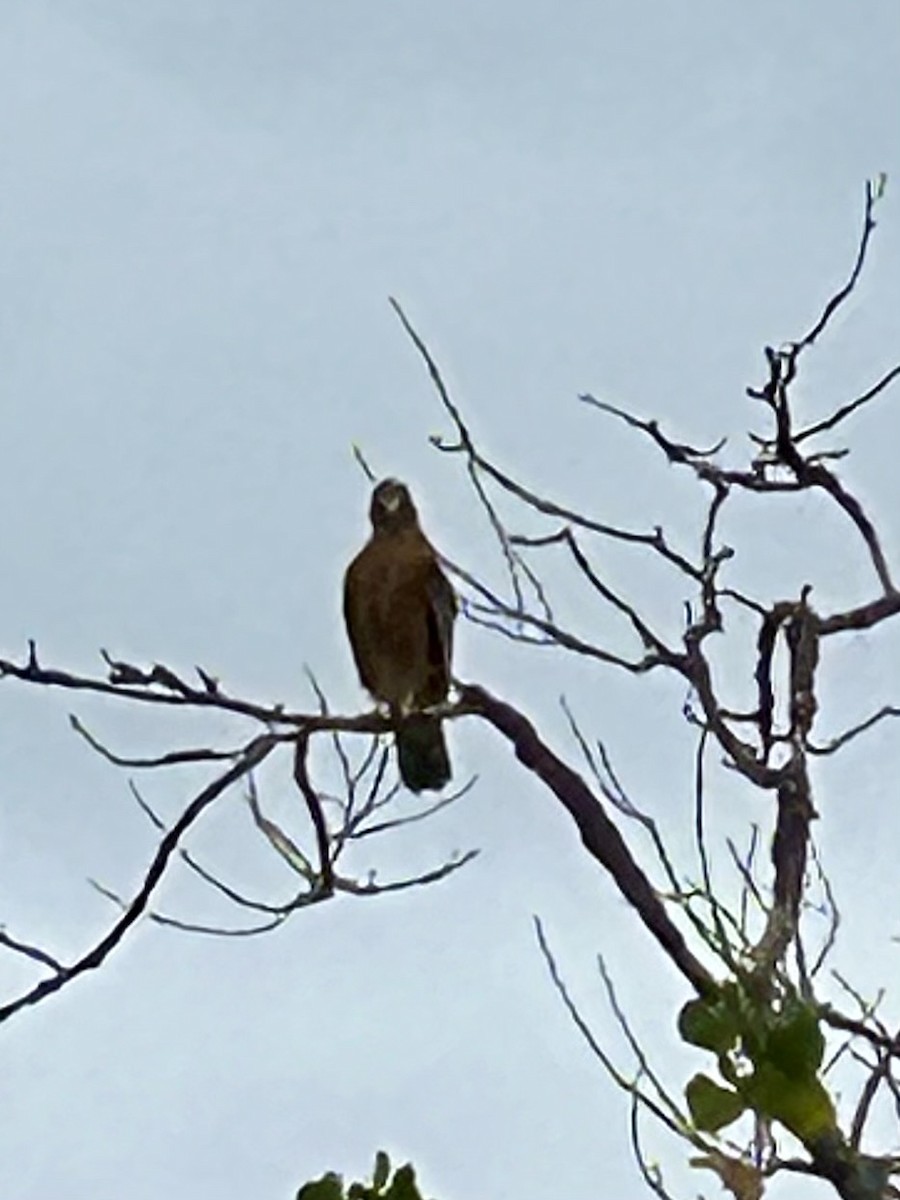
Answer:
[(889, 710), (35, 953), (253, 754), (872, 195), (171, 759), (845, 410), (626, 1084)]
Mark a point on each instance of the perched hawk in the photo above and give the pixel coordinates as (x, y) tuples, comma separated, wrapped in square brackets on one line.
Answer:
[(399, 608)]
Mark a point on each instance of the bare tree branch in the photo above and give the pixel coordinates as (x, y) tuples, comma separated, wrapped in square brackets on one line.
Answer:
[(847, 409), (33, 952), (889, 710), (253, 754), (598, 834), (873, 193)]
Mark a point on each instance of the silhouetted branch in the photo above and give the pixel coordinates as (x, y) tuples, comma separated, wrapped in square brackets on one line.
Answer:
[(171, 759), (873, 194), (313, 804), (834, 919), (253, 754), (33, 952), (880, 1073), (359, 831), (889, 710), (161, 685), (847, 409), (665, 1111), (598, 834), (558, 636), (865, 616), (611, 789), (476, 461), (354, 888), (513, 563)]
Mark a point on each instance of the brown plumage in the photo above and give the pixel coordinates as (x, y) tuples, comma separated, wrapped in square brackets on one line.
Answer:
[(399, 609)]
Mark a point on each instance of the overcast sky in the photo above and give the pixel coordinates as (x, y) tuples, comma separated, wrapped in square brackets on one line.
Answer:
[(204, 207)]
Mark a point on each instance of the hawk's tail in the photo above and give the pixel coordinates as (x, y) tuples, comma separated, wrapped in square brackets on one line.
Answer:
[(422, 753)]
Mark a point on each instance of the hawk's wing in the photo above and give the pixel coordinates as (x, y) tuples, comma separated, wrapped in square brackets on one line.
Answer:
[(442, 613), (361, 619)]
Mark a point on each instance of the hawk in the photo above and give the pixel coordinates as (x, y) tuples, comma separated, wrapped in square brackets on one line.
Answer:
[(399, 609)]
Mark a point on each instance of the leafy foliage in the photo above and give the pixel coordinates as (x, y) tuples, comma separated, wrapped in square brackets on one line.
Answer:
[(770, 1055), (402, 1186)]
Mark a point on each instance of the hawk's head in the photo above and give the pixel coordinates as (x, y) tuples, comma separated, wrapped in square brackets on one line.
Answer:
[(392, 507)]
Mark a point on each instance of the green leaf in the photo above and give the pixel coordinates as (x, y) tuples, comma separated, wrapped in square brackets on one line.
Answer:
[(712, 1107), (404, 1186), (329, 1187), (711, 1024), (802, 1105), (382, 1171), (795, 1044)]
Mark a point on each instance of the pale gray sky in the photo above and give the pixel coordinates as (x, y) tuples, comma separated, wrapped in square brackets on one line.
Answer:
[(203, 208)]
